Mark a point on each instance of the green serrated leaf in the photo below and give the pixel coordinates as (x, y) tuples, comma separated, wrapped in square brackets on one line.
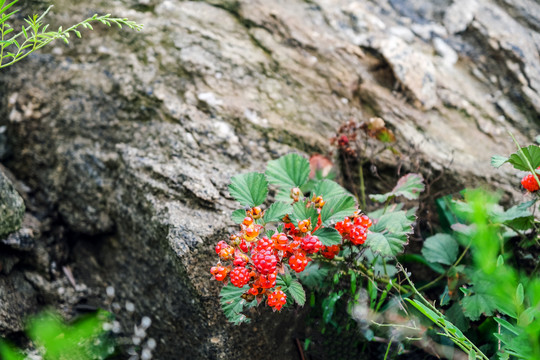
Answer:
[(531, 153), (440, 248), (238, 216), (518, 217), (337, 208), (233, 304), (314, 274), (328, 236), (277, 211), (389, 235), (301, 212), (409, 186), (297, 292), (249, 189), (288, 171), (329, 189), (497, 161), (477, 304)]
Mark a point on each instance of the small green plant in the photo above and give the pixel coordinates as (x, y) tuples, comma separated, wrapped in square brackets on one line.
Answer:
[(15, 46), (85, 339)]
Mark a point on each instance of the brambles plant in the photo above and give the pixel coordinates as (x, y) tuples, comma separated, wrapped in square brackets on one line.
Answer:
[(34, 35)]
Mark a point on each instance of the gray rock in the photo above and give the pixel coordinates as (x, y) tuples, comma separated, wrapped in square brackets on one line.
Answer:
[(11, 206)]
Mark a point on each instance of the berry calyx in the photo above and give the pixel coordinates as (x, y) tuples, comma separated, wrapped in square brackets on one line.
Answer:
[(529, 183), (219, 272), (239, 276), (277, 299), (295, 194)]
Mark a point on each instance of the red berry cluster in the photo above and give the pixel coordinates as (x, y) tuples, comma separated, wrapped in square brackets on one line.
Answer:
[(529, 182), (257, 259), (355, 229)]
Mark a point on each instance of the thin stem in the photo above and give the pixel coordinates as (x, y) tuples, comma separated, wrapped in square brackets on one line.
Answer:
[(529, 165), (388, 349), (440, 277)]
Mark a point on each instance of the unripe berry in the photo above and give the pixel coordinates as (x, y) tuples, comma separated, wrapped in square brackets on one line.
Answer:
[(295, 194), (220, 246), (247, 221), (280, 241), (304, 225), (219, 272), (227, 253), (256, 212)]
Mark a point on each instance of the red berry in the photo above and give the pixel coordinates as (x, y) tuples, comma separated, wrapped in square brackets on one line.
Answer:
[(330, 252), (265, 261), (220, 246), (219, 272), (265, 243), (277, 299), (256, 212), (267, 281), (240, 259), (358, 235), (311, 244), (529, 183), (251, 232), (298, 262), (244, 246), (239, 276), (247, 221), (363, 221)]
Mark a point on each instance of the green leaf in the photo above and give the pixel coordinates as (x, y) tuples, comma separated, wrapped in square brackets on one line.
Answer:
[(314, 275), (297, 292), (277, 211), (389, 235), (409, 186), (520, 296), (9, 352), (328, 236), (24, 32), (233, 304), (472, 354), (249, 189), (531, 153), (288, 171), (238, 216), (477, 304), (441, 248), (506, 325), (301, 212), (518, 217), (497, 161), (337, 208), (329, 189), (284, 281), (425, 310)]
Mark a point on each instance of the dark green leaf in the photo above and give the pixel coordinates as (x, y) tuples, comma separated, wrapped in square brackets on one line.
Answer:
[(477, 304), (328, 236), (532, 154), (389, 234), (233, 304), (314, 275), (238, 216), (518, 217), (277, 211), (249, 189), (297, 292), (441, 248), (301, 212), (284, 281), (288, 171), (337, 208), (498, 160), (409, 186)]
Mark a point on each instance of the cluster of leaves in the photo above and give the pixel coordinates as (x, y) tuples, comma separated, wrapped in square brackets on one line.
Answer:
[(35, 35), (84, 340)]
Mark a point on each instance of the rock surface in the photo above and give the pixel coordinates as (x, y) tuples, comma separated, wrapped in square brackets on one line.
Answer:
[(132, 137), (11, 206)]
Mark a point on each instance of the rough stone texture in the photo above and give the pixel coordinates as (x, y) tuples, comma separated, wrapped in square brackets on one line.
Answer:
[(11, 206), (132, 138)]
